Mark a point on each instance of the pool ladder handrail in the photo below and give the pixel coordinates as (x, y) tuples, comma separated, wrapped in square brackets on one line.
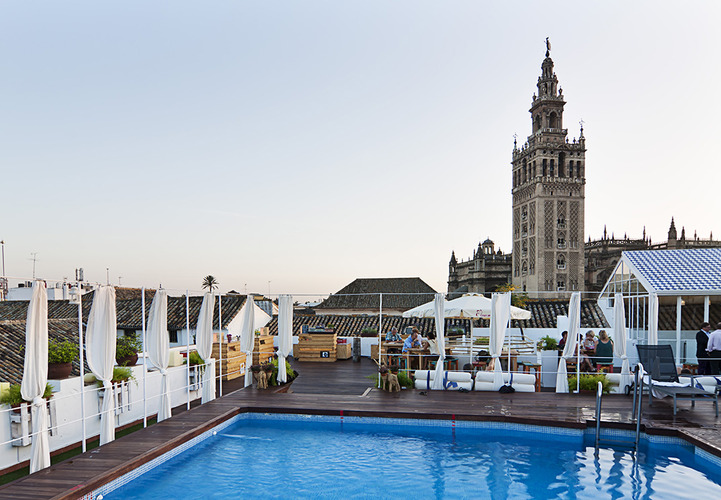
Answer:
[(637, 407)]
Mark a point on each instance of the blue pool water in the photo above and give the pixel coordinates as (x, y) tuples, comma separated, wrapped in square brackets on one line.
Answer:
[(307, 458)]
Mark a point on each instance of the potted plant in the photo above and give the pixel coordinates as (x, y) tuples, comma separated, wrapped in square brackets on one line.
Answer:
[(273, 377), (369, 332), (126, 350), (588, 383), (13, 396), (548, 359), (60, 359)]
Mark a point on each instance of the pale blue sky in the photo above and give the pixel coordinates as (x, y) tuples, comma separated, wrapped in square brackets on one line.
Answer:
[(309, 143)]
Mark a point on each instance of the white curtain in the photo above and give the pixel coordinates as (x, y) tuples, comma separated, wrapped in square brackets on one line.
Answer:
[(653, 319), (500, 312), (574, 324), (285, 334), (101, 336), (247, 336), (158, 341), (204, 343), (619, 343), (35, 375), (439, 315)]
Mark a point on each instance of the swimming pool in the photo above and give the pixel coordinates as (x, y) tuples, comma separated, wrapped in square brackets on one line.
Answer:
[(298, 456)]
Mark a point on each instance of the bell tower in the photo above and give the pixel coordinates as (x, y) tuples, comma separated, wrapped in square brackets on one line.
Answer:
[(548, 187)]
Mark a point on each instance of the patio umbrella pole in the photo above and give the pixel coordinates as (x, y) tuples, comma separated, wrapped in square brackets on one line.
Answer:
[(220, 341), (578, 363), (82, 364), (187, 345), (145, 363), (380, 330)]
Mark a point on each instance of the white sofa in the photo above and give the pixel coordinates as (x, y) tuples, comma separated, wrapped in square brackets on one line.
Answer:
[(522, 382), (454, 380)]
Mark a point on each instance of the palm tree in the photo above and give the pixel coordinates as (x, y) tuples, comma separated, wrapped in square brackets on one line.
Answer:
[(210, 283)]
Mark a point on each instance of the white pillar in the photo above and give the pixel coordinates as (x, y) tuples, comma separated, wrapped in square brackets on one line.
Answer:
[(706, 304), (678, 331)]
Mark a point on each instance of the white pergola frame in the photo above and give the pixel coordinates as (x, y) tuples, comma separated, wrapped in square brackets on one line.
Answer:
[(631, 282)]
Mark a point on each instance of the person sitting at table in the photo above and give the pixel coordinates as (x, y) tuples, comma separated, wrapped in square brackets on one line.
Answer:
[(393, 336), (589, 347), (413, 340), (432, 345)]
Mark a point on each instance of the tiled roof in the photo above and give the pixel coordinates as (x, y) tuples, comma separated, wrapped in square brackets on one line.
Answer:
[(398, 294), (346, 325), (12, 338), (543, 315), (686, 270), (129, 312)]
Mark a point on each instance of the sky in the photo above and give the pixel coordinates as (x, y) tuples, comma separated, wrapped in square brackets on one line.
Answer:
[(293, 146)]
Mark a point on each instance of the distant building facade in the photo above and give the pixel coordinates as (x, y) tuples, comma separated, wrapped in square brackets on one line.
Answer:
[(483, 273)]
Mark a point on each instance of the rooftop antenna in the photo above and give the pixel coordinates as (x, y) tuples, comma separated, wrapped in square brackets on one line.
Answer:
[(107, 274), (120, 283), (2, 243), (34, 259)]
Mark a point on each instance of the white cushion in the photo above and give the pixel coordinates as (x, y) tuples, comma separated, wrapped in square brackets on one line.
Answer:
[(488, 386), (456, 380), (518, 378)]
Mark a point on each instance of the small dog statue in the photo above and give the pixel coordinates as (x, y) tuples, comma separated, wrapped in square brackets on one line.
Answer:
[(383, 373), (262, 379), (393, 384)]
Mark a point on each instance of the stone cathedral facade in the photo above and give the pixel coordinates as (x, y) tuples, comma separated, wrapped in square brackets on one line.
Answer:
[(548, 198)]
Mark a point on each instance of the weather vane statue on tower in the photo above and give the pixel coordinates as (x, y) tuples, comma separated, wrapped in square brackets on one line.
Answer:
[(548, 47)]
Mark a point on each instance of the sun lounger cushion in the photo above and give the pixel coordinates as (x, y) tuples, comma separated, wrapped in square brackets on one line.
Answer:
[(454, 380), (706, 383), (522, 382)]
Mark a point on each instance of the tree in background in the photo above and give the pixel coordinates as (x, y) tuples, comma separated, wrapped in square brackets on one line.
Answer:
[(210, 283), (517, 299)]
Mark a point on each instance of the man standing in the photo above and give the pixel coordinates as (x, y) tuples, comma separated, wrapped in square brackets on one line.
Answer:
[(714, 350), (701, 344)]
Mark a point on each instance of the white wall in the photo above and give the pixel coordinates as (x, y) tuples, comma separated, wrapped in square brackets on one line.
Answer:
[(69, 416)]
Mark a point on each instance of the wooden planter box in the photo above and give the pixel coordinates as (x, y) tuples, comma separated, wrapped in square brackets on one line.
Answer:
[(343, 351), (233, 364), (263, 350), (317, 347)]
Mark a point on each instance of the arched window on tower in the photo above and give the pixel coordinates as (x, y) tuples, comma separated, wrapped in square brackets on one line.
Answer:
[(561, 262), (552, 120), (579, 170), (552, 168), (533, 165), (570, 169), (537, 123), (545, 167)]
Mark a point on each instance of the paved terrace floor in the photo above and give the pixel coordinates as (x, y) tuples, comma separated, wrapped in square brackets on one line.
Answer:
[(332, 388)]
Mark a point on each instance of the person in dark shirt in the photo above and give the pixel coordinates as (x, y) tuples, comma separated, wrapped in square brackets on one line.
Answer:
[(701, 344)]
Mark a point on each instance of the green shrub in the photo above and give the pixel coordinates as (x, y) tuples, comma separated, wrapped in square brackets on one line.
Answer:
[(292, 374), (13, 395), (62, 352), (126, 346), (547, 343), (120, 373), (589, 382), (403, 379)]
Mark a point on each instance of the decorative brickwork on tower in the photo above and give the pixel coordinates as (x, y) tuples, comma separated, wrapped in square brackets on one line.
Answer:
[(548, 189)]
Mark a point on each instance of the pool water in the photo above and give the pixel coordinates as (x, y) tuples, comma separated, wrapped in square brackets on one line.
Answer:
[(307, 458)]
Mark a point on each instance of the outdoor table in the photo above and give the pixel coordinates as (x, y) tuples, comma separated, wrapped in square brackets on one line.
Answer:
[(537, 371), (417, 354)]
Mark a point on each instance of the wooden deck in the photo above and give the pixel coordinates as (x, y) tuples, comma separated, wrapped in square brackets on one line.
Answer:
[(332, 388)]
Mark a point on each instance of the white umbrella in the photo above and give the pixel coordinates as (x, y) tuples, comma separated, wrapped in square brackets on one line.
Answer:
[(247, 336), (653, 319), (619, 344), (35, 374), (469, 306), (285, 334), (437, 383), (158, 341), (204, 343), (501, 309), (101, 337), (574, 324)]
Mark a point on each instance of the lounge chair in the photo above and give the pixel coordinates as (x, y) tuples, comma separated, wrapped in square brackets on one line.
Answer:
[(663, 380)]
